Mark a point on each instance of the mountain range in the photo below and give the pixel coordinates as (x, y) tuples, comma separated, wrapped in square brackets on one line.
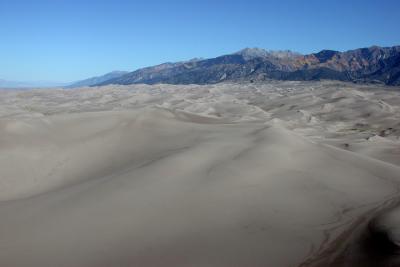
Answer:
[(367, 65), (372, 65), (98, 79), (47, 84)]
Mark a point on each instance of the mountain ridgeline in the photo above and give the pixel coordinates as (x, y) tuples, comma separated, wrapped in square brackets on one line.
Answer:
[(372, 65), (98, 79)]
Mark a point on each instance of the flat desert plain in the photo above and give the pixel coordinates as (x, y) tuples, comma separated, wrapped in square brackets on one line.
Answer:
[(297, 174)]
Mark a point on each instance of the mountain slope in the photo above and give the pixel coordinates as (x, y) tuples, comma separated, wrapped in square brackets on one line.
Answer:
[(373, 64), (97, 79)]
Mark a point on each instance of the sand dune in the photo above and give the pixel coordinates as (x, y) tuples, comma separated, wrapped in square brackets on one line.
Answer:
[(278, 174)]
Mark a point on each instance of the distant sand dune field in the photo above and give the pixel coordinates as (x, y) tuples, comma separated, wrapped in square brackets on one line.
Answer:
[(275, 174)]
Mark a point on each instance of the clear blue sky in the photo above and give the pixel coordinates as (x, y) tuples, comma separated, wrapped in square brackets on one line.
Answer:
[(70, 39)]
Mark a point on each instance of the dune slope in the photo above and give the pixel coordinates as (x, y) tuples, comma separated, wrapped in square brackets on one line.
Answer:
[(227, 175)]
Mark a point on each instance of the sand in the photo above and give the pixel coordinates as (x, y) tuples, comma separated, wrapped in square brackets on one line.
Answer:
[(273, 174)]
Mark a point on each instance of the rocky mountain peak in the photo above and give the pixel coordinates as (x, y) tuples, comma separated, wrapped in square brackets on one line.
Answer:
[(255, 52)]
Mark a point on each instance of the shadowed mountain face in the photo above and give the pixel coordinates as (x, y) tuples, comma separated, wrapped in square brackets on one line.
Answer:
[(373, 64)]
